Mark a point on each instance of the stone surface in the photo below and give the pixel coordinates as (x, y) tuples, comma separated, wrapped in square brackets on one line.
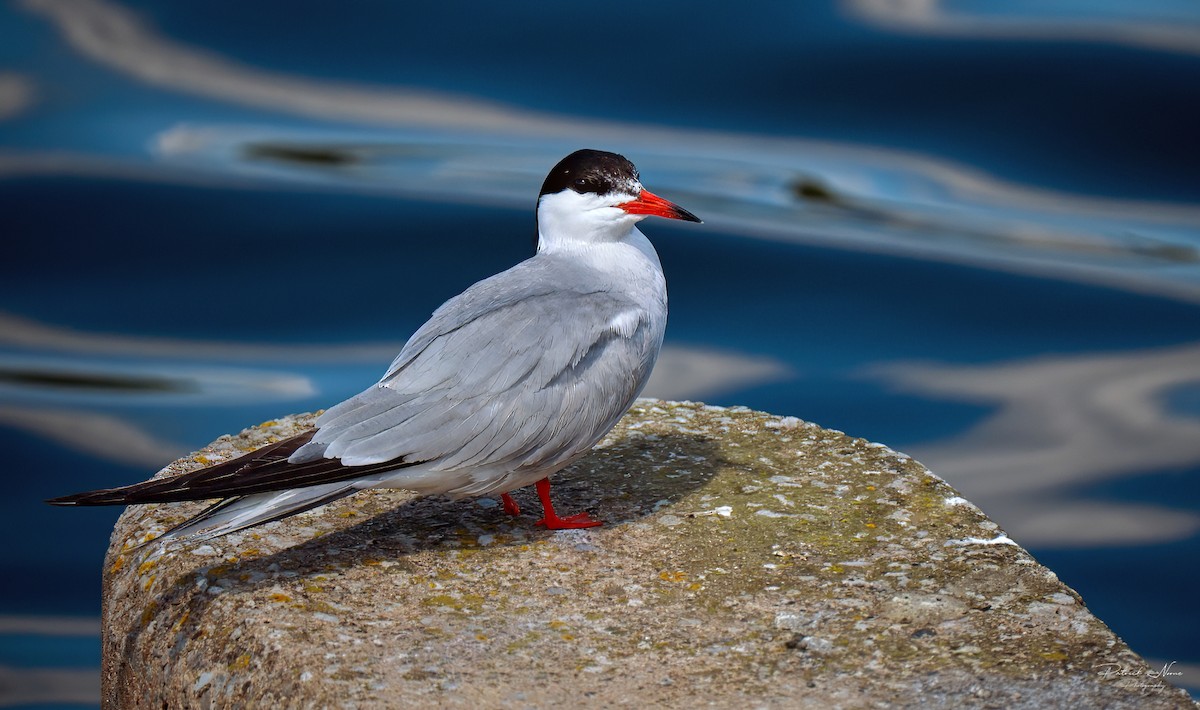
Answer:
[(748, 560)]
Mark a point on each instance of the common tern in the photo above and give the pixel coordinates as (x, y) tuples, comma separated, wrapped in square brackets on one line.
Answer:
[(505, 385)]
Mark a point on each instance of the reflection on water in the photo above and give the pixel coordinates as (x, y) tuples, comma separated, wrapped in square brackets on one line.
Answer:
[(69, 642), (36, 377), (117, 38), (200, 242), (1060, 423), (1169, 26), (16, 94), (100, 436), (902, 203), (928, 206)]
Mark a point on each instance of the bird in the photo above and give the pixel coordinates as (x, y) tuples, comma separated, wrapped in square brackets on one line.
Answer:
[(505, 385)]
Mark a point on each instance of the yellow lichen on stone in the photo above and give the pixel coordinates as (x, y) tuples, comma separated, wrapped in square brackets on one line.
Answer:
[(241, 663), (441, 600), (149, 612), (182, 620)]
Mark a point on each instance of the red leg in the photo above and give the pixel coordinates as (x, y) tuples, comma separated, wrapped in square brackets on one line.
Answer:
[(510, 505), (551, 521)]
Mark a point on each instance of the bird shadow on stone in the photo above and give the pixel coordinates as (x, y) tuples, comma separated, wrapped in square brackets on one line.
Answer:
[(619, 484)]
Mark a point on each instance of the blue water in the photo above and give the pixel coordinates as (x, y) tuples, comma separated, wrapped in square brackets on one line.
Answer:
[(973, 235)]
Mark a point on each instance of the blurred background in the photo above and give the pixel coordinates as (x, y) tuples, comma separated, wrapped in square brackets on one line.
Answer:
[(968, 230)]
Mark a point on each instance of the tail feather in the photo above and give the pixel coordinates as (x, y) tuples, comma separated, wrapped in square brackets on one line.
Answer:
[(261, 471), (194, 485), (233, 514)]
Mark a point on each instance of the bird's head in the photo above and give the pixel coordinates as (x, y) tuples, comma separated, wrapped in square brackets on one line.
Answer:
[(592, 196)]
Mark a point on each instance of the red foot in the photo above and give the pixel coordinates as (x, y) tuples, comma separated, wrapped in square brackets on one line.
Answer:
[(579, 520), (551, 521), (510, 505)]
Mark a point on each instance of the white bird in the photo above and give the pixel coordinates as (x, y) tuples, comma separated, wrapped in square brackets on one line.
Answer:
[(506, 384)]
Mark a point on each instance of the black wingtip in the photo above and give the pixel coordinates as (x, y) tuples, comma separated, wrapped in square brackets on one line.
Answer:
[(101, 497)]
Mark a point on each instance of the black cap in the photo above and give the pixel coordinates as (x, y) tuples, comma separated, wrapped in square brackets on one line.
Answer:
[(595, 171)]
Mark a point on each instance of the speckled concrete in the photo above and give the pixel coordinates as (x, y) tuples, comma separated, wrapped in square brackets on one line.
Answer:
[(748, 560)]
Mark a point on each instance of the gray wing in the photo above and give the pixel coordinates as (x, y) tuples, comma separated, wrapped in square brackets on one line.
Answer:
[(527, 368)]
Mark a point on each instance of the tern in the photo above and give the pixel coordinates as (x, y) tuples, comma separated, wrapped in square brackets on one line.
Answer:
[(505, 385)]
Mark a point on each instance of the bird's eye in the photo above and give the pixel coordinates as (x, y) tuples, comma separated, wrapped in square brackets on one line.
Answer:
[(586, 185)]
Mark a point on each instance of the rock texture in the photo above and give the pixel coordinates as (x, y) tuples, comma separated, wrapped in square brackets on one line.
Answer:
[(748, 560)]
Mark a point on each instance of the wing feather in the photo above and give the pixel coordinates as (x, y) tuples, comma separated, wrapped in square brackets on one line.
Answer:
[(512, 371), (524, 370)]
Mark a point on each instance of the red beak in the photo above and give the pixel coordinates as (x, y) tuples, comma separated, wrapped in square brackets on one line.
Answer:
[(649, 203)]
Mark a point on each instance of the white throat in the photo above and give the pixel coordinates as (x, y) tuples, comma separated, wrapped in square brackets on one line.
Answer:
[(569, 219)]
